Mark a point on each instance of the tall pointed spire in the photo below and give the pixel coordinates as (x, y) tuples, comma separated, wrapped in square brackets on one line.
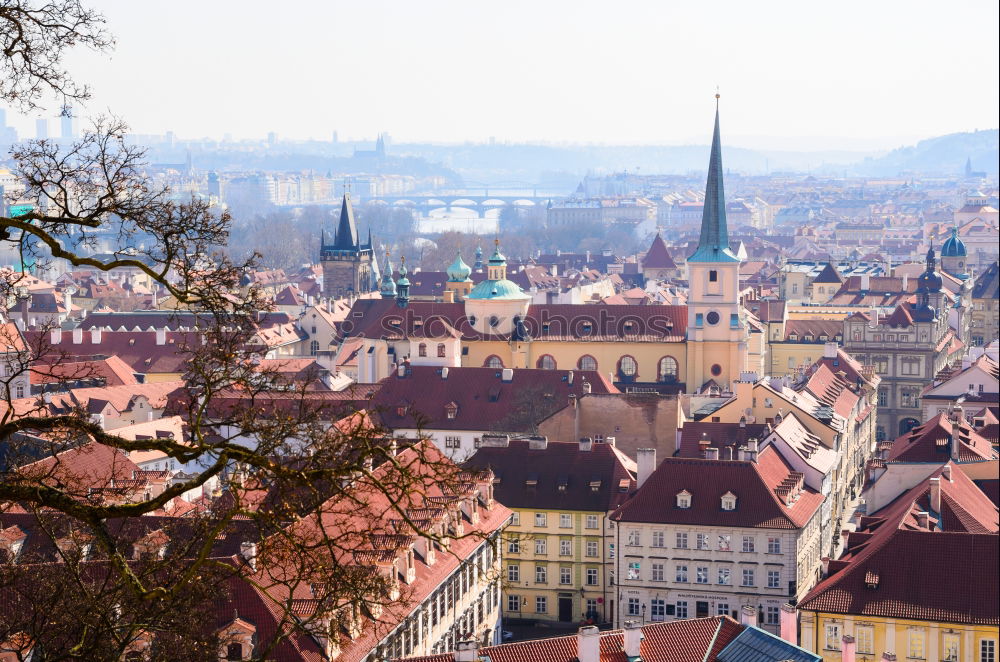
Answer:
[(713, 246), (347, 229)]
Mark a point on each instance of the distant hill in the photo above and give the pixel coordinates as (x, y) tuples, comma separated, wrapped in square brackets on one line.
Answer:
[(944, 155)]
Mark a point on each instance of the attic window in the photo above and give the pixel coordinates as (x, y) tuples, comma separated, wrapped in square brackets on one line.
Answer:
[(401, 410), (563, 483), (630, 326), (451, 410), (595, 484), (871, 579), (809, 338), (729, 501), (394, 322), (531, 480), (824, 337), (623, 484), (838, 337), (683, 499), (793, 336)]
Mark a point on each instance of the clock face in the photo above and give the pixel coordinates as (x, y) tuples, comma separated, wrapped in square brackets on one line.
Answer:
[(712, 318)]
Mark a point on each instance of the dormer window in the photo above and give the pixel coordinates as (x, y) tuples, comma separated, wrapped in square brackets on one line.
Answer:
[(824, 337), (401, 410), (683, 499), (729, 501), (451, 410), (793, 337)]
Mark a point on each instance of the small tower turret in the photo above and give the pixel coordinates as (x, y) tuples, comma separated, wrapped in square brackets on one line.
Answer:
[(387, 288), (402, 285)]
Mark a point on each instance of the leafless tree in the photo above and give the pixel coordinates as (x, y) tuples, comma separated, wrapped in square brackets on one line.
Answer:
[(118, 574)]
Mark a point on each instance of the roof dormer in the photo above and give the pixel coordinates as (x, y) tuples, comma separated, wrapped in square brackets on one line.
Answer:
[(729, 501), (683, 499)]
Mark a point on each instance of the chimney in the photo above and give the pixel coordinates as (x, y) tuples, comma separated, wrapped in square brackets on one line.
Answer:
[(248, 550), (588, 644), (569, 378), (956, 442), (467, 651), (906, 282), (610, 441), (77, 336), (923, 519), (729, 453), (585, 387), (789, 624), (586, 444), (449, 297), (95, 335), (752, 450), (161, 336), (946, 472), (935, 494), (495, 440), (507, 375), (830, 350), (56, 336), (538, 443), (748, 615), (633, 639), (444, 372), (847, 649), (646, 459), (888, 657), (825, 565), (865, 282), (711, 453)]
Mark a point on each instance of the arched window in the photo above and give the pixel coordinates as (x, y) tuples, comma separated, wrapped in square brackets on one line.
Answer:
[(493, 361), (668, 369), (441, 350), (587, 362), (627, 368), (422, 349), (546, 362), (314, 348)]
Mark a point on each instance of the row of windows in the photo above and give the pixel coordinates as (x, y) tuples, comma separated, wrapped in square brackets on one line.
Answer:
[(916, 643), (659, 609), (565, 547), (441, 350), (565, 520), (542, 574), (685, 540), (626, 368), (701, 574)]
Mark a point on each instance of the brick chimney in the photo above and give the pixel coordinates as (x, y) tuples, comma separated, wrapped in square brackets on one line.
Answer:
[(646, 459), (588, 644), (633, 639), (789, 624), (847, 649)]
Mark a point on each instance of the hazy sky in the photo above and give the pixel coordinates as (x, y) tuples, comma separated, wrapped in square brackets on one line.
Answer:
[(806, 75)]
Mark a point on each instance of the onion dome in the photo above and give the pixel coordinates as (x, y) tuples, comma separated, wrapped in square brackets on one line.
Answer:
[(387, 287), (953, 246), (459, 271)]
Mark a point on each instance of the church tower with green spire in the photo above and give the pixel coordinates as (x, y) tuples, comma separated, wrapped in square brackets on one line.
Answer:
[(717, 335)]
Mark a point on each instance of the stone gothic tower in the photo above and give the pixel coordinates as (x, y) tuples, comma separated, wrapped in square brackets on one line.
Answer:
[(347, 263)]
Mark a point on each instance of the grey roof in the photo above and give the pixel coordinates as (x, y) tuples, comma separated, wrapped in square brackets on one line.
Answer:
[(756, 645), (713, 245), (347, 230), (987, 285)]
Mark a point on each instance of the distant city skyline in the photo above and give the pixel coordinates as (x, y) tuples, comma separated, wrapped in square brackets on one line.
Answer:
[(631, 73)]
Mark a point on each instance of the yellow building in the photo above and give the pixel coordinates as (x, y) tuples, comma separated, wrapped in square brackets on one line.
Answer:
[(557, 548), (914, 580)]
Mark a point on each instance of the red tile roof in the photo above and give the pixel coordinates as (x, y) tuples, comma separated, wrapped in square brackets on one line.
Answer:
[(931, 442), (756, 485), (484, 400), (894, 567), (112, 370), (694, 640), (658, 257)]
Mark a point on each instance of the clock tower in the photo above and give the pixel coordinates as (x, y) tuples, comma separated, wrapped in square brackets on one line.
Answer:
[(717, 331)]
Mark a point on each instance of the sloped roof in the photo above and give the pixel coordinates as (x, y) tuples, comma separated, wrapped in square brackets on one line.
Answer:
[(658, 257), (753, 483), (828, 274), (563, 473), (921, 443)]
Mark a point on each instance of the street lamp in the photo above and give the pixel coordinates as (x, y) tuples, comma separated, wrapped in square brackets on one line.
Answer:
[(644, 613)]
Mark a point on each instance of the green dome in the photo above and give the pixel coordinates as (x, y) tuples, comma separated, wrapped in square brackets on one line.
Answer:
[(497, 258), (497, 289), (459, 271), (403, 280), (953, 246)]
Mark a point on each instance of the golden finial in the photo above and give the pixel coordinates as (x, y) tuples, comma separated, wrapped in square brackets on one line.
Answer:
[(496, 242)]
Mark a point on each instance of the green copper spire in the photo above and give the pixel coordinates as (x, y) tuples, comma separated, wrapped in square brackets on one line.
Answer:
[(714, 243), (388, 285)]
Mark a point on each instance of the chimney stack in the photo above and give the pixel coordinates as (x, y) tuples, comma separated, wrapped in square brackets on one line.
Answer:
[(588, 644), (161, 336), (888, 657), (830, 350), (444, 372), (847, 649), (748, 615), (865, 282), (633, 639), (569, 378), (586, 387), (56, 336), (646, 459), (95, 335), (586, 443), (77, 336), (507, 375), (935, 494), (248, 550), (946, 472), (711, 453), (467, 651), (789, 624)]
